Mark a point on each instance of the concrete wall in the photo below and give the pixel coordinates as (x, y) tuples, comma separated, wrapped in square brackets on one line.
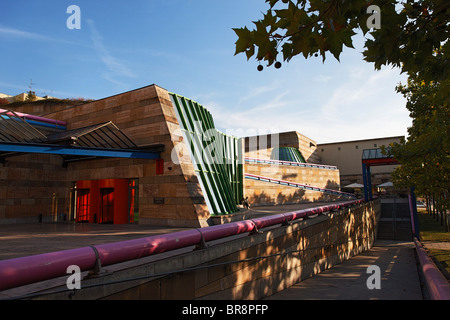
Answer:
[(264, 193), (296, 252)]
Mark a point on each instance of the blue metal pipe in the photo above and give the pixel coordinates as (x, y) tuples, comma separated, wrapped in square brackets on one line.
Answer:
[(45, 124), (77, 151)]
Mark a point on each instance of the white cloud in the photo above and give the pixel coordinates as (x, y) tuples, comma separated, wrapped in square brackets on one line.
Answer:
[(116, 69), (15, 33), (363, 105), (20, 34)]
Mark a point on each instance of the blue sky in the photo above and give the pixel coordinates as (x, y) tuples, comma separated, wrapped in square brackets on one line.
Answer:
[(187, 47)]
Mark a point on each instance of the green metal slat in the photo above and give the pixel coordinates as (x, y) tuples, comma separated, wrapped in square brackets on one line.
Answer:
[(211, 181), (182, 113), (218, 178), (229, 203), (224, 179), (211, 178)]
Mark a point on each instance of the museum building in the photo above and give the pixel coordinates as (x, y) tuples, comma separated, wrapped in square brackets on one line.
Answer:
[(147, 156)]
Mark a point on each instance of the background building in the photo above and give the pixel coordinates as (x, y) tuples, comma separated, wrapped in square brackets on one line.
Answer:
[(150, 156), (347, 157)]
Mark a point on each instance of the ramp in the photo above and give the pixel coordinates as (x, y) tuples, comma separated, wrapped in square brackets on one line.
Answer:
[(297, 185), (395, 220)]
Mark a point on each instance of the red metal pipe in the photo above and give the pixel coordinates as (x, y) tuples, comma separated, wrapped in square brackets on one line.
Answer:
[(37, 118), (32, 269), (27, 270), (227, 230), (437, 284), (268, 221), (122, 251), (296, 215)]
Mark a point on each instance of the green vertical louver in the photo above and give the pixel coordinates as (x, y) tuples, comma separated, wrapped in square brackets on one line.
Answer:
[(287, 154), (217, 158)]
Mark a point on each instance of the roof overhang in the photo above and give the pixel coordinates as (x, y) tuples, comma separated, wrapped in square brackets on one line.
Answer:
[(74, 153), (104, 140)]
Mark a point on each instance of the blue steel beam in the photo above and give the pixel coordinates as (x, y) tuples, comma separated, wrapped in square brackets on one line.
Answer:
[(76, 151), (367, 182)]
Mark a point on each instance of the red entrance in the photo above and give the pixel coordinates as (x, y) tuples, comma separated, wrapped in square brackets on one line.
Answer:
[(103, 201)]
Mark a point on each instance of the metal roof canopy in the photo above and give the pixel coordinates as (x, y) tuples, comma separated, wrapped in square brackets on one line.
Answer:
[(18, 137), (103, 135), (15, 129)]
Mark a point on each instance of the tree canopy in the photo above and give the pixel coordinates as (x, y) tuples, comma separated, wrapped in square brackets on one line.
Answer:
[(424, 156), (411, 35)]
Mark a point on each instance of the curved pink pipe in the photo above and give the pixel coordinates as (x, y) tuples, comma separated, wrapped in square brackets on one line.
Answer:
[(117, 252), (296, 215), (27, 270), (269, 220), (437, 284), (226, 230), (37, 118)]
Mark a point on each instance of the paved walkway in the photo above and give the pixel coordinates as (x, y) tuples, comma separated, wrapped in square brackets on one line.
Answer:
[(19, 240), (399, 275), (440, 245), (348, 281)]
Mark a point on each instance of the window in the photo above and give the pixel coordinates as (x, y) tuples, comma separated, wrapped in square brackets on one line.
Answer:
[(133, 201), (356, 147), (107, 205), (83, 196)]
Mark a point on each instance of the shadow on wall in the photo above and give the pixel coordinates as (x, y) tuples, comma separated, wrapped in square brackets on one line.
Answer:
[(263, 198), (330, 197), (289, 176), (299, 196)]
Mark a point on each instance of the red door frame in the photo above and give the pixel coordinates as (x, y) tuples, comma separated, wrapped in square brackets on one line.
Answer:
[(119, 196)]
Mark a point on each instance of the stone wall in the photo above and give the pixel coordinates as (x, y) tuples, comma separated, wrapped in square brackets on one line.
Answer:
[(251, 266), (264, 193), (33, 188), (30, 183), (147, 117)]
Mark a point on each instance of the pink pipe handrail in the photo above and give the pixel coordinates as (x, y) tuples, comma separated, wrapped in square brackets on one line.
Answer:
[(438, 286), (298, 184), (290, 163), (27, 270), (33, 117)]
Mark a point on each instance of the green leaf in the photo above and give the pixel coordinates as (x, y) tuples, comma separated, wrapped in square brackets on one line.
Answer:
[(270, 21), (250, 52), (244, 39), (272, 3), (334, 42)]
